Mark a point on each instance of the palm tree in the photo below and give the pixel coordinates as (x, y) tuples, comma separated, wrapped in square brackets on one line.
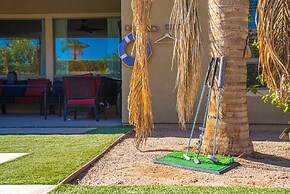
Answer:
[(228, 26), (76, 46)]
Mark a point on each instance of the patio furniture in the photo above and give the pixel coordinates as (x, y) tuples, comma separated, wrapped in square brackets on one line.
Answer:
[(24, 92), (81, 92), (3, 108), (8, 93), (108, 93), (54, 97)]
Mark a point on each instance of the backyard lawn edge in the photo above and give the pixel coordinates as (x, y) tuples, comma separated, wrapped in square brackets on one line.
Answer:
[(82, 169)]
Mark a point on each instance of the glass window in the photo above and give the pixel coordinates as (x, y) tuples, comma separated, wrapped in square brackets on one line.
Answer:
[(87, 45), (22, 47), (253, 29), (252, 74), (252, 66)]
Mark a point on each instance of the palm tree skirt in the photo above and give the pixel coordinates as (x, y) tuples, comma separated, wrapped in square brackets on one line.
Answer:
[(177, 159)]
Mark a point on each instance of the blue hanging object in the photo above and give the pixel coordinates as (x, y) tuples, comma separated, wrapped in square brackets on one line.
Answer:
[(253, 9), (122, 49)]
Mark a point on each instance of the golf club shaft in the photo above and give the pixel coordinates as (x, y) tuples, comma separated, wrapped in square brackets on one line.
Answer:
[(207, 105), (220, 85), (199, 103)]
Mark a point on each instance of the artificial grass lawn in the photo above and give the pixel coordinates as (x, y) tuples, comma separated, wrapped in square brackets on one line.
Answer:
[(52, 157), (177, 158), (163, 190)]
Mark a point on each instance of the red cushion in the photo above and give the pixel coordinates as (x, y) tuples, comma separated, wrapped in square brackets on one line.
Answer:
[(74, 86), (85, 101), (86, 74), (1, 88), (34, 91), (27, 100)]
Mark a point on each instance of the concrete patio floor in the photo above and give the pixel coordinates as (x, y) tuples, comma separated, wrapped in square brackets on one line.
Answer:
[(24, 116), (53, 121), (26, 189)]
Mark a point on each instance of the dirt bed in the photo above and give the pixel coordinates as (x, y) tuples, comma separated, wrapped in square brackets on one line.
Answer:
[(269, 166)]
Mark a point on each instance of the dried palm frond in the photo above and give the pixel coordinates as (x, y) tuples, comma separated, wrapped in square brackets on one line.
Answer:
[(139, 99), (274, 45), (185, 27)]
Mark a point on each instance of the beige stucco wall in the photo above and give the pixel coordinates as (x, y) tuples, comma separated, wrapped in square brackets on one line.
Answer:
[(265, 113), (162, 78)]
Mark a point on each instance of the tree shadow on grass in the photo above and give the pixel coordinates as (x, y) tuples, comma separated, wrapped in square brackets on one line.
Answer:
[(110, 130), (268, 159)]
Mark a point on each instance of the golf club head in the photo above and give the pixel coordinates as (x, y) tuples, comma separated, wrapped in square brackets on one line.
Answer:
[(196, 160), (186, 156), (212, 158)]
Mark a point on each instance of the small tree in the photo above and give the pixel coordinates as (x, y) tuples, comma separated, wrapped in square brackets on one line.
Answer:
[(20, 54)]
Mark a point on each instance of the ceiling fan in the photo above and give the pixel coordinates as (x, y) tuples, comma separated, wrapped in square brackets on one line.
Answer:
[(84, 28)]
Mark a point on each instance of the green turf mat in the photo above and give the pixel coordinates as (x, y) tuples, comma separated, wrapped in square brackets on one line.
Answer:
[(222, 160), (224, 163)]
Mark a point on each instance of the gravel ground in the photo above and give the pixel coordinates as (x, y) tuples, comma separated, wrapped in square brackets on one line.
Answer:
[(269, 166)]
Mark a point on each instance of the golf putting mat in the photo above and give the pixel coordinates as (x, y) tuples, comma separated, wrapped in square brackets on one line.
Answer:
[(224, 164)]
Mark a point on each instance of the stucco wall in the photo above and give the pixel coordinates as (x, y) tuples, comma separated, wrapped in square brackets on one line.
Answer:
[(265, 113), (162, 78)]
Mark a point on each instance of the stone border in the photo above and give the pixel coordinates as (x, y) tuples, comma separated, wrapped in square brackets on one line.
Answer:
[(75, 174)]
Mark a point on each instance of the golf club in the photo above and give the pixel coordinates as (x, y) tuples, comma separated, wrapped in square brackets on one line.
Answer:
[(220, 85), (198, 107), (206, 113)]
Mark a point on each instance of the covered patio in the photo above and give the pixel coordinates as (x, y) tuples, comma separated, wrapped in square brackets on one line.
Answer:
[(19, 120)]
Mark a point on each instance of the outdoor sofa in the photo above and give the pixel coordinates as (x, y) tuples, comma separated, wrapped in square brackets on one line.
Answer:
[(28, 91)]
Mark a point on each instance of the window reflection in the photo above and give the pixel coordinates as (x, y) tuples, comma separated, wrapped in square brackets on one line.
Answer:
[(20, 47), (87, 45)]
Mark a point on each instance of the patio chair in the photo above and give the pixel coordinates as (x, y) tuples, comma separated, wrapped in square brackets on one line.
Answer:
[(3, 108), (108, 93), (54, 97), (80, 92)]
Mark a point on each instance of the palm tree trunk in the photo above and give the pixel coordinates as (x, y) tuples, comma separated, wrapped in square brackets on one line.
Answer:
[(228, 37), (74, 54)]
